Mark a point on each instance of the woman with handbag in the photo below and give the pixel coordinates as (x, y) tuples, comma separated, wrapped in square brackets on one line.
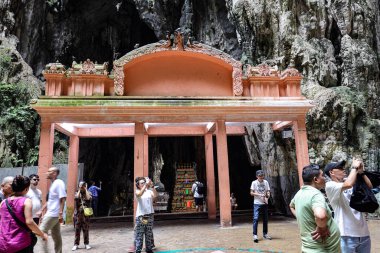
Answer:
[(17, 228), (82, 215), (145, 193)]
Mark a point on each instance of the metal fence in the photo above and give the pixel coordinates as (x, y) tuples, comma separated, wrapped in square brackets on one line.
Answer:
[(26, 171)]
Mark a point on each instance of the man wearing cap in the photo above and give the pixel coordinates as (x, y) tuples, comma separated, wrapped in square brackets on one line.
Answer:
[(352, 224), (260, 191)]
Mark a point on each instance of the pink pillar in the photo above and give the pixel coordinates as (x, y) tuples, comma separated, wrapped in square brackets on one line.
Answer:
[(45, 156), (210, 175), (138, 155), (72, 176), (223, 175), (302, 151), (146, 155)]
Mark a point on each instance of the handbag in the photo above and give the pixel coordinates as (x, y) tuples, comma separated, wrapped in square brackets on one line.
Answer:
[(144, 219), (22, 224), (86, 210), (362, 198)]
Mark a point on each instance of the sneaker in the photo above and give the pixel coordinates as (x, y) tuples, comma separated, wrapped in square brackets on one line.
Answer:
[(266, 236), (87, 246), (75, 247), (255, 239)]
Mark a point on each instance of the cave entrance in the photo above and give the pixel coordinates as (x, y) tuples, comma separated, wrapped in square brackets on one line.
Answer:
[(168, 89), (110, 160)]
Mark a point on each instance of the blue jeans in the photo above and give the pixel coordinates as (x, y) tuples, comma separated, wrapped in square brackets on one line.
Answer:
[(256, 212), (94, 204), (355, 244)]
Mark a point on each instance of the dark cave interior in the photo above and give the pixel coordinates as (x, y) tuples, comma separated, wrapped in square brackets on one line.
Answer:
[(110, 160)]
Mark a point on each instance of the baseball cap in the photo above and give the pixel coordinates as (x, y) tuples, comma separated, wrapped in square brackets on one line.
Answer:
[(81, 183), (334, 165), (260, 173)]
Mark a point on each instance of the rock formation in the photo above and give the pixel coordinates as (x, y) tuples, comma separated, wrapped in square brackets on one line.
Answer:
[(334, 44)]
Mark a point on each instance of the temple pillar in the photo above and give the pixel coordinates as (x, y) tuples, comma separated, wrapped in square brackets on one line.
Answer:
[(45, 156), (223, 174), (72, 176), (138, 156), (210, 176), (302, 151), (146, 155)]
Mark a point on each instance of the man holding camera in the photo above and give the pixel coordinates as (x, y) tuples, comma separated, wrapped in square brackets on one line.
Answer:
[(261, 192), (352, 224)]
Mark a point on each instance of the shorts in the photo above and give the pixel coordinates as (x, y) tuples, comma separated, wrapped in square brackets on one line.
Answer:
[(198, 201)]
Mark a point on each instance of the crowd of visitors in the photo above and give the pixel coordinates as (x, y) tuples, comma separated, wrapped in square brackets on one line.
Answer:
[(327, 222)]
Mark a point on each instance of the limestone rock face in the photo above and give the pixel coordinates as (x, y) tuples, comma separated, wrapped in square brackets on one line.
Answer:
[(334, 44)]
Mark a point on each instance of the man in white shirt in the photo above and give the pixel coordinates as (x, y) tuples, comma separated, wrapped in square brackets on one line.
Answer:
[(54, 210), (260, 191), (352, 224), (35, 195)]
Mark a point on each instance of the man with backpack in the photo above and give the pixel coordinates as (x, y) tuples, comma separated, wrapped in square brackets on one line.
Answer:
[(198, 190), (352, 224)]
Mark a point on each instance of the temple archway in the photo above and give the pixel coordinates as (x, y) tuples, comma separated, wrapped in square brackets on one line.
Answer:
[(169, 90)]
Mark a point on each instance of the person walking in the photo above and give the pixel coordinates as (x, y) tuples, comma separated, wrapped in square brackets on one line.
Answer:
[(319, 233), (355, 236), (6, 187), (198, 192), (54, 210), (82, 200), (233, 201), (145, 193), (94, 190), (35, 195), (16, 221), (260, 191)]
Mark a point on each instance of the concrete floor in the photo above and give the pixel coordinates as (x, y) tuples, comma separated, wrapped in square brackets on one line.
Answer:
[(199, 235)]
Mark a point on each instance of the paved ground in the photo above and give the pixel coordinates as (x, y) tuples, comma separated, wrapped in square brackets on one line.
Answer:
[(200, 235)]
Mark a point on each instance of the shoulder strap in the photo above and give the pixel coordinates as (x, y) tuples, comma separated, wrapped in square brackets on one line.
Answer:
[(20, 223)]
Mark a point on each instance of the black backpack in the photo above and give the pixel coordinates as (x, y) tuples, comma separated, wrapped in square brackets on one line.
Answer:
[(363, 199), (200, 188)]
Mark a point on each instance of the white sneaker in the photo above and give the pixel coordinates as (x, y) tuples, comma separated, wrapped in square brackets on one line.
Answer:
[(266, 236), (75, 248), (87, 246), (255, 239)]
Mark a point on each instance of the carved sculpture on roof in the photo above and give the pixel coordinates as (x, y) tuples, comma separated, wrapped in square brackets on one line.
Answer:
[(165, 45), (88, 67), (55, 67), (262, 70), (169, 40), (291, 71), (119, 80), (191, 43), (179, 39)]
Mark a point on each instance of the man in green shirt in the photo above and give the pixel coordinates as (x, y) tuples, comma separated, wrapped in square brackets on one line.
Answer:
[(319, 233)]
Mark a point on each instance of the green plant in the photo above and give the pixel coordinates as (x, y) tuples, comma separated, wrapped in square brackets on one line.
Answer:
[(18, 123)]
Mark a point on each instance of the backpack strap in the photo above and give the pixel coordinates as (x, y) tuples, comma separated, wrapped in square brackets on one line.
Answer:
[(20, 223)]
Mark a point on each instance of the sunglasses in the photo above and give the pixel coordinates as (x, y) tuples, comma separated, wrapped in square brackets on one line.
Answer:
[(36, 179), (142, 182), (314, 166)]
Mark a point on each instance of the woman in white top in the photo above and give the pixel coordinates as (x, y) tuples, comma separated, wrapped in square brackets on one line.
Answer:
[(145, 193)]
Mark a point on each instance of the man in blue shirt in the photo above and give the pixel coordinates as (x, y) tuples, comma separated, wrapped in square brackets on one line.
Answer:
[(95, 194)]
